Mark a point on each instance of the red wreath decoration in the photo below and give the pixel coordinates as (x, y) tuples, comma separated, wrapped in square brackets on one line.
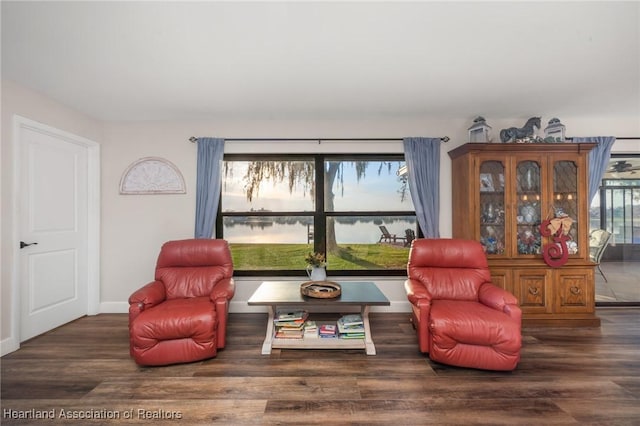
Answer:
[(556, 253)]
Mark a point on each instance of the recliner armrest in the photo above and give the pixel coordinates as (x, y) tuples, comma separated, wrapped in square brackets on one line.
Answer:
[(147, 296), (500, 299), (225, 288), (223, 292), (416, 292)]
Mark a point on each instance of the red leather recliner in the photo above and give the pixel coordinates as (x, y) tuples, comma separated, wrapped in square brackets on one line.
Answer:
[(461, 318), (182, 315)]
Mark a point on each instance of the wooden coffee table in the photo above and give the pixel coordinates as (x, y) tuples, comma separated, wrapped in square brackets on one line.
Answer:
[(274, 294)]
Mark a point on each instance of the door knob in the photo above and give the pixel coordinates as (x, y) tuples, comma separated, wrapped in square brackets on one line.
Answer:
[(23, 244)]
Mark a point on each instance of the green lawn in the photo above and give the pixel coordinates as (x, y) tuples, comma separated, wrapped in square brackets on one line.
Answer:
[(291, 256)]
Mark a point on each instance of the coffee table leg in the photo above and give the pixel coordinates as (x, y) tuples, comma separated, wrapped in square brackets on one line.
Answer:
[(268, 340), (368, 342)]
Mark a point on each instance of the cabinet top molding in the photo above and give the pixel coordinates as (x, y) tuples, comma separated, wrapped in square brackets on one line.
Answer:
[(521, 147)]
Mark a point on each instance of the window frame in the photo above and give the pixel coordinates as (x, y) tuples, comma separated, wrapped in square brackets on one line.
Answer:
[(319, 215)]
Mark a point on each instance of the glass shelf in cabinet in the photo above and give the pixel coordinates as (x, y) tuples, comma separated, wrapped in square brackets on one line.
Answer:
[(565, 196), (494, 224), (532, 194)]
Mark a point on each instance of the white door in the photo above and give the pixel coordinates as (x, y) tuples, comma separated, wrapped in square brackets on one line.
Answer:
[(53, 212)]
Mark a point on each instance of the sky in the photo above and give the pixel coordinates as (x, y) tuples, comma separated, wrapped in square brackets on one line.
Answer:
[(374, 192)]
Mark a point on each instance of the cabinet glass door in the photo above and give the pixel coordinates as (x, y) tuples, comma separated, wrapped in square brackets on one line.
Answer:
[(565, 198), (492, 215), (528, 207)]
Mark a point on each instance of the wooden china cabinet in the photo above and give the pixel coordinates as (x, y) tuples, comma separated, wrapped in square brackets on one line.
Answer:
[(501, 194)]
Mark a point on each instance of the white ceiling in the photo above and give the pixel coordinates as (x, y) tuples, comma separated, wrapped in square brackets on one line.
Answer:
[(185, 60)]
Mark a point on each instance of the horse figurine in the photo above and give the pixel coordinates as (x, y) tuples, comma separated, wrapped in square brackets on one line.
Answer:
[(513, 133)]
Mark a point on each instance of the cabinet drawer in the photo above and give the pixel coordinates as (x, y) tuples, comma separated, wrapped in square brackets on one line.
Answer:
[(574, 291), (532, 287)]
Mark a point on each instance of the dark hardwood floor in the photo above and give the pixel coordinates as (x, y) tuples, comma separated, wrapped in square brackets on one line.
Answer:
[(566, 377)]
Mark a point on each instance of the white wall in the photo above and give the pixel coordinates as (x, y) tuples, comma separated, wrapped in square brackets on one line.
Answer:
[(134, 226)]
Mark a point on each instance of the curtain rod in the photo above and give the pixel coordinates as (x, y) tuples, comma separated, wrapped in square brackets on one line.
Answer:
[(444, 139), (621, 138), (193, 139)]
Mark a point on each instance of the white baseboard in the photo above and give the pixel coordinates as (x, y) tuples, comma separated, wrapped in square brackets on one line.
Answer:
[(114, 307), (8, 345)]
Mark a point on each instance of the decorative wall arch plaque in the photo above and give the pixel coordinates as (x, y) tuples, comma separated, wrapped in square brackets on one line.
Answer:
[(152, 175)]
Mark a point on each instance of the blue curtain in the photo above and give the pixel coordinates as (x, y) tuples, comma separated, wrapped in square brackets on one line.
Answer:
[(208, 185), (422, 157), (598, 160)]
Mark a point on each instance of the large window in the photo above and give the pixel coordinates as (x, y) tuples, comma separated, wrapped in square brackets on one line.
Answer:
[(356, 209), (617, 206), (617, 209)]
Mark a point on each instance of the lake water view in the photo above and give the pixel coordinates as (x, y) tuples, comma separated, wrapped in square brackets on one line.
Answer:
[(294, 230)]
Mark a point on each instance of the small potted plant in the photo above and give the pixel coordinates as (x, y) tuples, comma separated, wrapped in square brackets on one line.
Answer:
[(316, 264)]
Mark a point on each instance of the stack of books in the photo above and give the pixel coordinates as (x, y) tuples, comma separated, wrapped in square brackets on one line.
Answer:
[(310, 330), (290, 324), (328, 331), (351, 327)]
